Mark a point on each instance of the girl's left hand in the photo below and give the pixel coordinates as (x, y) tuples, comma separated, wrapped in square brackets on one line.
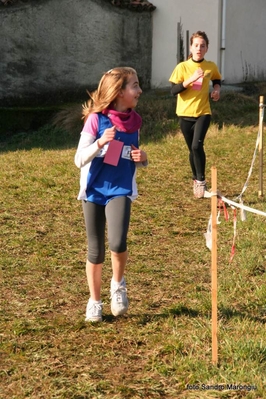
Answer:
[(215, 95), (138, 155)]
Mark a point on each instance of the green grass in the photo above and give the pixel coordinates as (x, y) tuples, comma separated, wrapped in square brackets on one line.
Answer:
[(164, 343)]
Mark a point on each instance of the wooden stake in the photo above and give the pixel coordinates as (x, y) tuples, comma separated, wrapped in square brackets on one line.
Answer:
[(214, 266), (261, 112)]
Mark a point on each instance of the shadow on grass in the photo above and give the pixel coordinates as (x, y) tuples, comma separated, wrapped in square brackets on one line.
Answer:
[(50, 129), (229, 313), (46, 138), (146, 318), (47, 128)]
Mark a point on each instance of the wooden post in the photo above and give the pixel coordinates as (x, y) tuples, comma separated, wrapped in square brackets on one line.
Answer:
[(214, 266), (261, 112)]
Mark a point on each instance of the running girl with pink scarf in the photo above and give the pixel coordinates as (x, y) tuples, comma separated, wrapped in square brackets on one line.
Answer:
[(108, 155)]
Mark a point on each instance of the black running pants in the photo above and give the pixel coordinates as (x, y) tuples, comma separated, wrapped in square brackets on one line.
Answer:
[(194, 131)]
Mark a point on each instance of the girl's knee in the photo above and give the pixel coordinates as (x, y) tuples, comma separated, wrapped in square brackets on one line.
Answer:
[(198, 147), (118, 246), (96, 257)]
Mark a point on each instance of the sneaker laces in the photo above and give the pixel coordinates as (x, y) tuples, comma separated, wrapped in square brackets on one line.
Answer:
[(119, 292), (95, 308), (200, 183)]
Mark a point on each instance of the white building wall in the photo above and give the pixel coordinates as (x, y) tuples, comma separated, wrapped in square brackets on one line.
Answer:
[(244, 56), (194, 15), (245, 53)]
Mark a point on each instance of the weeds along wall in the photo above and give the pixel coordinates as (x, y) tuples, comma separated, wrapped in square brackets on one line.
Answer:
[(53, 51)]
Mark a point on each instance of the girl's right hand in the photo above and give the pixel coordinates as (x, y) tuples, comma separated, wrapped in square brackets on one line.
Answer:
[(199, 73), (108, 135)]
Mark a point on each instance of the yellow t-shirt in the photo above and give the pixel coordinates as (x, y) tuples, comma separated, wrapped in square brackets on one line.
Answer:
[(194, 102)]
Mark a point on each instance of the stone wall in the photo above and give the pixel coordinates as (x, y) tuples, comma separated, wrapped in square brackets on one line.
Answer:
[(52, 51)]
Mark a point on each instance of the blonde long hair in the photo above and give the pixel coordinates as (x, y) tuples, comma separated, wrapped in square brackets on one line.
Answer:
[(108, 89)]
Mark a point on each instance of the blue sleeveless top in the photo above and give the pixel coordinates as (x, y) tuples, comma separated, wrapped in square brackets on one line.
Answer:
[(105, 181)]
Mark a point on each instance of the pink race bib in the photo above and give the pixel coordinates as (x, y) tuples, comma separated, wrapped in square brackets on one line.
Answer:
[(113, 152), (198, 84)]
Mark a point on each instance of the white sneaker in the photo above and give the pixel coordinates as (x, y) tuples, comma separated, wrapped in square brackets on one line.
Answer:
[(94, 311), (119, 300), (199, 188)]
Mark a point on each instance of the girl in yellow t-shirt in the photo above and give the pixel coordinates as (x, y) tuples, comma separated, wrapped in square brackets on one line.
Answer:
[(190, 83)]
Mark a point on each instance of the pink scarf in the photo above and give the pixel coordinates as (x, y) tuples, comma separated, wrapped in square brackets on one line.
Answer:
[(128, 121)]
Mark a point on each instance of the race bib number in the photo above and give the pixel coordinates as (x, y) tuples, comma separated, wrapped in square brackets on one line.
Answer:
[(126, 153)]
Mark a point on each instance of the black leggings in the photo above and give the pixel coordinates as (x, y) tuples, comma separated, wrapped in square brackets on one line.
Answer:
[(194, 131), (117, 215)]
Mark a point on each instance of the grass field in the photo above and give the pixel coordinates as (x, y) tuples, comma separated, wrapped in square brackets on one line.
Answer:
[(163, 347)]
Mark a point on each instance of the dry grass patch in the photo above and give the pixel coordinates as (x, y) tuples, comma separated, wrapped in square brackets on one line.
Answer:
[(164, 342)]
